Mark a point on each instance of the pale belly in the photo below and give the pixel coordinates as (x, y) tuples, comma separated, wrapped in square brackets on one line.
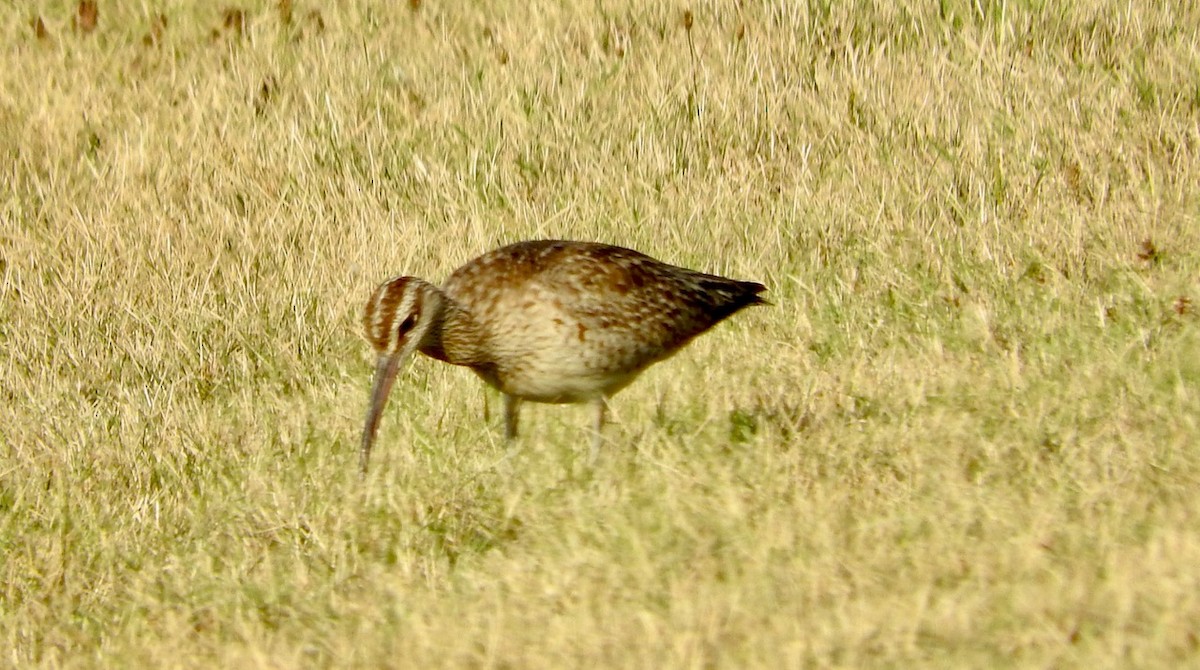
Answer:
[(539, 351), (552, 379), (554, 361)]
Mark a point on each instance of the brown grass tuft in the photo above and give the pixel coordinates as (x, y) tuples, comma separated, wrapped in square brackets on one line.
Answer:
[(1149, 252), (39, 28), (87, 15), (233, 21)]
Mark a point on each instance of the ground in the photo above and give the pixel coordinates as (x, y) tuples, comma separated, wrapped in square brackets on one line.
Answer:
[(964, 435)]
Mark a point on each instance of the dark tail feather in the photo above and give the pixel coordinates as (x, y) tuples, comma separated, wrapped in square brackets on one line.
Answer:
[(752, 290), (727, 296)]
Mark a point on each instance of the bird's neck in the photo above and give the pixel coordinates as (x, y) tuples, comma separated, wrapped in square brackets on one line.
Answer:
[(453, 337)]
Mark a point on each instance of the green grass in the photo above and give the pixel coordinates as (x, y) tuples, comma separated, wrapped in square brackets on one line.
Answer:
[(964, 435)]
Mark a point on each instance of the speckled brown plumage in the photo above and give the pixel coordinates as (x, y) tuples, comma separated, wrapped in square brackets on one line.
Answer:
[(547, 321)]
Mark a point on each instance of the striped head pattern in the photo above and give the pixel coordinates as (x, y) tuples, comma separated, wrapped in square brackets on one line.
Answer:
[(393, 317), (397, 319)]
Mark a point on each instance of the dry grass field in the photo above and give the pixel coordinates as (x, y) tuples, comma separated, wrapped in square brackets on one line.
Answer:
[(967, 434)]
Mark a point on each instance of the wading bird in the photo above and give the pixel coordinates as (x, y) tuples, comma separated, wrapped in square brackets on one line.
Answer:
[(546, 321)]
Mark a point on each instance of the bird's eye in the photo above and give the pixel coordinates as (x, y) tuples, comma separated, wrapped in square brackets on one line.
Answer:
[(407, 324)]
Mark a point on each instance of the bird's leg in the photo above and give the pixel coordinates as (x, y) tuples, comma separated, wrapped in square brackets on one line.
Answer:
[(512, 409), (601, 405)]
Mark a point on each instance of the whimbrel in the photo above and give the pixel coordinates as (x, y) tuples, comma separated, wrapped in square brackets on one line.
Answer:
[(546, 321)]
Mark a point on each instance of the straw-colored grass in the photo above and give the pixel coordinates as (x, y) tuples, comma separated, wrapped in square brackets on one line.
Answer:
[(966, 433)]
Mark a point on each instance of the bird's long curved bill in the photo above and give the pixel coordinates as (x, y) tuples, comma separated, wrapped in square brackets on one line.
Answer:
[(385, 375)]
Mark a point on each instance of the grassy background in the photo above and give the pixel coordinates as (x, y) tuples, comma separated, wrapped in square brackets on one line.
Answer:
[(964, 435)]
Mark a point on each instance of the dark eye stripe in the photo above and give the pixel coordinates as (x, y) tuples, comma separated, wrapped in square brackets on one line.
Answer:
[(382, 310), (407, 324)]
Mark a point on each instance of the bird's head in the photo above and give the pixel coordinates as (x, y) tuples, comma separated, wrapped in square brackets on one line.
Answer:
[(400, 317)]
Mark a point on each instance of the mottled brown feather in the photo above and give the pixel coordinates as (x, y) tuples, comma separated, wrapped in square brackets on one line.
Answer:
[(646, 309)]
